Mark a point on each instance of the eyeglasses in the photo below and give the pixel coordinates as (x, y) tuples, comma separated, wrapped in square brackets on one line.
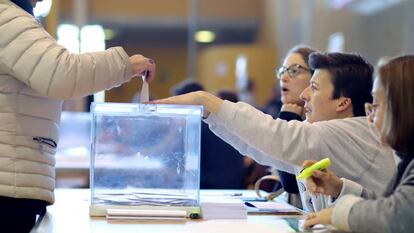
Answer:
[(370, 108), (292, 71)]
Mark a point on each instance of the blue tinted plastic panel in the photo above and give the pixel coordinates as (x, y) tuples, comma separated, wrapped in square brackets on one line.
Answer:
[(145, 154)]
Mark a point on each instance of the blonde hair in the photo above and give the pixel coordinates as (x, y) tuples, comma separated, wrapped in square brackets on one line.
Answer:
[(397, 77)]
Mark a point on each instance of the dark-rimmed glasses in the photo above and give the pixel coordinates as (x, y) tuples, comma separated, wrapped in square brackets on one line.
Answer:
[(292, 71)]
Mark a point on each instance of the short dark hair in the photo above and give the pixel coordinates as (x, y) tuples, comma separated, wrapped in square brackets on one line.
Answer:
[(228, 95), (351, 76), (187, 86)]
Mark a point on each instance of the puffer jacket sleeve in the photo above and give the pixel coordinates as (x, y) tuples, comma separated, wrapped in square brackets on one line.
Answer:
[(30, 54)]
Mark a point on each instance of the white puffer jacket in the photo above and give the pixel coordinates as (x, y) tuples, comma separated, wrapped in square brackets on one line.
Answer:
[(36, 74)]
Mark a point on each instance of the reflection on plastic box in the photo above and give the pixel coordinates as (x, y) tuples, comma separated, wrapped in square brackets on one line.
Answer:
[(144, 155)]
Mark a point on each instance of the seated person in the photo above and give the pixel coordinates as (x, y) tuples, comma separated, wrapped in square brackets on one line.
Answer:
[(358, 209), (221, 165), (294, 77), (339, 87)]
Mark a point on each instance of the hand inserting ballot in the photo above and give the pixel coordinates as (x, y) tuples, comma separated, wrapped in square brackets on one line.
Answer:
[(142, 66)]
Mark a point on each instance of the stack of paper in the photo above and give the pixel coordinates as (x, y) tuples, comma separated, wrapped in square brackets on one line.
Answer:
[(132, 214), (268, 207), (223, 209), (144, 198)]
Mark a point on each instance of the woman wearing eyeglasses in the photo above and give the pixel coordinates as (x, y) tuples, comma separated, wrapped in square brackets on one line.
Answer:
[(294, 76), (392, 113)]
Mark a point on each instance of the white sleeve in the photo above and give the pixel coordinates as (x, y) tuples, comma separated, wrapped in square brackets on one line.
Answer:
[(277, 140), (245, 149), (348, 187)]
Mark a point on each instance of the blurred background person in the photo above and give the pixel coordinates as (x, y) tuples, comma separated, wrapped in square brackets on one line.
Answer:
[(222, 166), (248, 94), (274, 102)]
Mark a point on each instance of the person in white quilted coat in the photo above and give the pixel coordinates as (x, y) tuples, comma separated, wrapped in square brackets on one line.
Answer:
[(36, 75)]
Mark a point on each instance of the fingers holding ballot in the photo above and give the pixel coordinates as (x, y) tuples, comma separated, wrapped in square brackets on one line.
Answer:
[(323, 181), (192, 98), (142, 66)]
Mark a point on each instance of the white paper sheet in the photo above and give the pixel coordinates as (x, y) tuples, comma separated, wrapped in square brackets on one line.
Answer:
[(269, 205), (144, 97)]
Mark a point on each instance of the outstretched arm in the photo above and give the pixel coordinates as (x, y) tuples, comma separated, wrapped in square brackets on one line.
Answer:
[(30, 54), (278, 139)]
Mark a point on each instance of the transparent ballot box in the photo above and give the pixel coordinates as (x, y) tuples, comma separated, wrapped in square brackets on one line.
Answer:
[(145, 157)]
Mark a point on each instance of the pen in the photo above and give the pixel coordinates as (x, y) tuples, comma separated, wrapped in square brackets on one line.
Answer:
[(236, 194)]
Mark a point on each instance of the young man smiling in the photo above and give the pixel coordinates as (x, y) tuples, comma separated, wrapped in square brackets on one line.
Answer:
[(334, 102)]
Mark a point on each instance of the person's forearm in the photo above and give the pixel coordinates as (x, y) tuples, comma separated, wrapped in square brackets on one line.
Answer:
[(263, 133), (245, 149), (210, 102)]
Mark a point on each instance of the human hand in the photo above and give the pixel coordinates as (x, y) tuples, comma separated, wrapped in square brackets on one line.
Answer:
[(192, 98), (294, 108), (323, 182), (142, 66), (322, 217)]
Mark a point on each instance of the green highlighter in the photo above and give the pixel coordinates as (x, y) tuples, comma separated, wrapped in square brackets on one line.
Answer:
[(307, 172)]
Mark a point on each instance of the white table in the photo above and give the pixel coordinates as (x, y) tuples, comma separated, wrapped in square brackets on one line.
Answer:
[(70, 213)]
